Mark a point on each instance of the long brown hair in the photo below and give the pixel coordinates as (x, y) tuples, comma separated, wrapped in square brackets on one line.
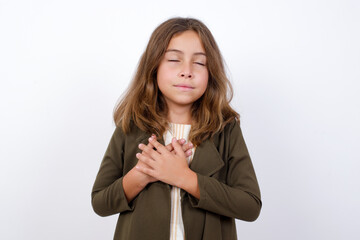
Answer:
[(144, 104)]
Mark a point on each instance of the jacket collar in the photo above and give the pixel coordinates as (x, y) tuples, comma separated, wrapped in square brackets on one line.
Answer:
[(207, 159)]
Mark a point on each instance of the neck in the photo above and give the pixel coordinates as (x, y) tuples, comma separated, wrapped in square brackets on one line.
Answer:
[(179, 115)]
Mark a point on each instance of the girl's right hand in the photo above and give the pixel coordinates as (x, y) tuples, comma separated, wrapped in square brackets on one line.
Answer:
[(187, 148)]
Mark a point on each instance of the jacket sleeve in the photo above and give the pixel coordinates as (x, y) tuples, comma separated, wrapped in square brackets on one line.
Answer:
[(239, 196), (107, 195)]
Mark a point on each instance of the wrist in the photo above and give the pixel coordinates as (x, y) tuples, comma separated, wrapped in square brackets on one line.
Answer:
[(189, 183), (141, 179)]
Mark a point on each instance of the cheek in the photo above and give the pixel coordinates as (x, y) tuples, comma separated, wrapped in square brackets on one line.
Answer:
[(159, 71), (160, 76), (204, 81), (163, 78), (164, 72)]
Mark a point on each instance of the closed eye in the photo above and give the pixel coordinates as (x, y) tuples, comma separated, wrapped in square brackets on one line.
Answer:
[(199, 63), (173, 60)]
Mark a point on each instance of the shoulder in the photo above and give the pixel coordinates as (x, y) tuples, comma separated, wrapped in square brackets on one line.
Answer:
[(133, 130), (124, 142), (225, 135), (122, 139), (232, 125)]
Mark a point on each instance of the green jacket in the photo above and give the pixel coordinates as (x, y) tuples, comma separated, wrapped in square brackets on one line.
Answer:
[(226, 178)]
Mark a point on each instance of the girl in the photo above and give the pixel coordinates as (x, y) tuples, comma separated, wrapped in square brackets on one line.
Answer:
[(162, 187)]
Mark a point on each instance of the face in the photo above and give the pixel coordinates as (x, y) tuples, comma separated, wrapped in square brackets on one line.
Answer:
[(182, 75)]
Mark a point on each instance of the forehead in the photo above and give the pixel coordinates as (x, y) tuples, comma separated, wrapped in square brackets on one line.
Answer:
[(187, 42)]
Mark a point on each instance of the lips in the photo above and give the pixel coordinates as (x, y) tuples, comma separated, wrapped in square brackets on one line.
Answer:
[(184, 86)]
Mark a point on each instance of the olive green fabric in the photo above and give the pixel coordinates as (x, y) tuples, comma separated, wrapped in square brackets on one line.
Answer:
[(226, 178)]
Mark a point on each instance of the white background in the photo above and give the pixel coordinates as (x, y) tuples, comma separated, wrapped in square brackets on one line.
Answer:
[(295, 68)]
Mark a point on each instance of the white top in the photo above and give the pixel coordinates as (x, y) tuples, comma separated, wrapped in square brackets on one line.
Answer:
[(176, 222)]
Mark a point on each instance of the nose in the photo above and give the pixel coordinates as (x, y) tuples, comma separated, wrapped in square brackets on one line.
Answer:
[(185, 75), (186, 71)]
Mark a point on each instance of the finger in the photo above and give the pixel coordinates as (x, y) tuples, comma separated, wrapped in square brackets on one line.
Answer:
[(145, 169), (148, 150), (153, 136), (181, 141), (159, 147), (142, 164), (187, 147), (148, 161), (150, 145), (177, 147), (188, 153), (142, 146), (169, 147)]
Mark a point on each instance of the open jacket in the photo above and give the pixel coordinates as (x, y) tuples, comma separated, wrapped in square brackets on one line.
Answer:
[(226, 178)]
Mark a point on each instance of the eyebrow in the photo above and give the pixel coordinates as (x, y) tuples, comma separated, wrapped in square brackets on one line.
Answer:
[(178, 51)]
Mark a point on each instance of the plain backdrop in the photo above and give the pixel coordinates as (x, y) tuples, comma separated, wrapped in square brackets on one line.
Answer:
[(295, 68)]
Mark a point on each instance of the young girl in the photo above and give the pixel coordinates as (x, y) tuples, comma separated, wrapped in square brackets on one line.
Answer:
[(162, 187)]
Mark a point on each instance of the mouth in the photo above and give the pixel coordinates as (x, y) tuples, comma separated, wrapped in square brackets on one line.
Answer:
[(184, 86)]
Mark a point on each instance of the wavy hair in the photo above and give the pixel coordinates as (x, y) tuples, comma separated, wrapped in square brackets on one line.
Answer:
[(144, 104)]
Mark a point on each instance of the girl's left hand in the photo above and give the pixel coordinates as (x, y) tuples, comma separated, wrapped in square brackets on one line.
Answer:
[(167, 166)]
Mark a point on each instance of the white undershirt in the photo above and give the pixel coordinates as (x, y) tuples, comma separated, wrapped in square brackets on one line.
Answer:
[(176, 222)]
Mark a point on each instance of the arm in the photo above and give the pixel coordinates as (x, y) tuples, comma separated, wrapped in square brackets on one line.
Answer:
[(239, 195), (112, 192), (108, 194), (134, 182)]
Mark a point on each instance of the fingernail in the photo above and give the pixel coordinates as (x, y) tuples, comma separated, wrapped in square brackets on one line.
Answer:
[(191, 145), (138, 154), (140, 145), (151, 139), (153, 135)]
